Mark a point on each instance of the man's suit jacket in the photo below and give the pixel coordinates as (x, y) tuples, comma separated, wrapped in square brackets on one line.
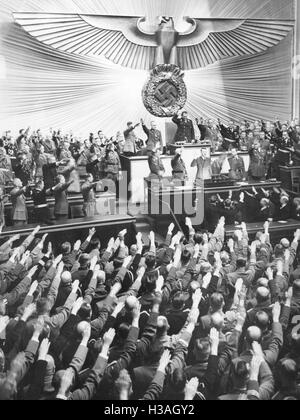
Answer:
[(185, 131), (154, 137), (237, 168), (203, 168)]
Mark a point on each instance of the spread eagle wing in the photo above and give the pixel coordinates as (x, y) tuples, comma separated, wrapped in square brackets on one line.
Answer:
[(119, 39), (216, 39)]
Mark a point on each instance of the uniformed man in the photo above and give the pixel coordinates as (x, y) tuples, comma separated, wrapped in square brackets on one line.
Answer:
[(89, 198), (185, 131), (154, 136), (178, 166), (203, 164), (237, 170), (157, 169), (258, 163), (130, 147)]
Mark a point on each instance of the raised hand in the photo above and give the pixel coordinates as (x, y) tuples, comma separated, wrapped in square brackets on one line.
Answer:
[(141, 272), (197, 297), (32, 271), (109, 337), (171, 228), (276, 312), (39, 326), (136, 312), (191, 389), (92, 232), (127, 261), (123, 233), (75, 286), (159, 284), (120, 306), (25, 257), (4, 321), (193, 316), (44, 349), (29, 311), (214, 340), (111, 244), (77, 245), (77, 305), (93, 263), (164, 360), (57, 260), (33, 288), (36, 230)]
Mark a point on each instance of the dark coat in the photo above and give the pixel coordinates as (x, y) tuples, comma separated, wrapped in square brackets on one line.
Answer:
[(185, 131)]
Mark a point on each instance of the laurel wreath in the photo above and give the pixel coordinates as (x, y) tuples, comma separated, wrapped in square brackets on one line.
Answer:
[(160, 74)]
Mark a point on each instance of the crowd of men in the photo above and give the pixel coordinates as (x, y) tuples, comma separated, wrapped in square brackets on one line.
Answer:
[(46, 165), (193, 318)]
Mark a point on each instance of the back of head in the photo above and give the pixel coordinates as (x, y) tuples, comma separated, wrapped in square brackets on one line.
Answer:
[(85, 312), (84, 260), (185, 257), (123, 331), (150, 281), (240, 373), (217, 321), (262, 295), (296, 286), (241, 263), (162, 326), (216, 302), (178, 301), (198, 238), (287, 372), (95, 243), (66, 248), (262, 320), (66, 278), (150, 261), (253, 334), (43, 306)]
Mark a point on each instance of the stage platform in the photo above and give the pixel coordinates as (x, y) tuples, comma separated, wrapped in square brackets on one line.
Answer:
[(74, 229)]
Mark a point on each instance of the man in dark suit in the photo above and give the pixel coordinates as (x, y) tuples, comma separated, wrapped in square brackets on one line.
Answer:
[(178, 166), (156, 166), (203, 164), (154, 136), (185, 128), (237, 166)]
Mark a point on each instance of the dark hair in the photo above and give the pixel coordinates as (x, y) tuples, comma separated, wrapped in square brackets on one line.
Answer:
[(216, 302), (241, 370), (185, 256), (178, 300), (262, 320), (198, 238), (123, 331), (150, 261), (150, 281), (85, 311), (296, 285), (95, 243), (178, 380), (241, 263)]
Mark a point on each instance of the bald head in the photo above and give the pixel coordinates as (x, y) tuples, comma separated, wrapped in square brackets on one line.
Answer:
[(217, 320), (262, 294), (262, 320), (82, 326), (131, 302), (253, 334), (66, 277), (263, 282)]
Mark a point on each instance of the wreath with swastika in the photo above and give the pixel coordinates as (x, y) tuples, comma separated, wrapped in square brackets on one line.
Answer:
[(165, 94)]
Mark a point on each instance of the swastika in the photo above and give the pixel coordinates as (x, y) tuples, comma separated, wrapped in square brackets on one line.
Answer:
[(166, 94)]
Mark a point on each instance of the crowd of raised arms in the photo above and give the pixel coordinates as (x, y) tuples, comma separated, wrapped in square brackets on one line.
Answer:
[(195, 317)]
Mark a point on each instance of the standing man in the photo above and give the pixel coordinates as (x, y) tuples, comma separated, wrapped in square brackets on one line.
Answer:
[(178, 166), (156, 166), (89, 197), (237, 170), (154, 136), (130, 140), (185, 128), (258, 163), (203, 164)]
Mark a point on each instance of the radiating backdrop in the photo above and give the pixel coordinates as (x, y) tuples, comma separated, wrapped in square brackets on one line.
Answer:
[(43, 88)]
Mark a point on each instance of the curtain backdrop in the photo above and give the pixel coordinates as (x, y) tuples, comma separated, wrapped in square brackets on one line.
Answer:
[(44, 88)]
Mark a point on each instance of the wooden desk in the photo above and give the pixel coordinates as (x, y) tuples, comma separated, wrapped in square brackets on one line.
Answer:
[(137, 169)]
